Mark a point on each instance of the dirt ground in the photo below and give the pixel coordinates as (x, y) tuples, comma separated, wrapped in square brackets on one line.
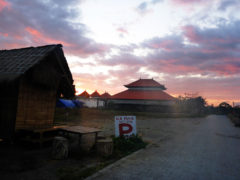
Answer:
[(21, 161)]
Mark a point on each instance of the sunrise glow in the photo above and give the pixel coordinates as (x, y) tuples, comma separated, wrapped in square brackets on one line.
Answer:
[(189, 46)]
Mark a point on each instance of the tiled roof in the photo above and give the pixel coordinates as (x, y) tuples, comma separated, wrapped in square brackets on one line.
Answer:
[(15, 63), (18, 61), (95, 94), (84, 94), (105, 95), (145, 83), (143, 95)]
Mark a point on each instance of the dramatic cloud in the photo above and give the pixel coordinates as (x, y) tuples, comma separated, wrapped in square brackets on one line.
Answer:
[(224, 5), (143, 7), (224, 37), (207, 51), (187, 2), (31, 23), (188, 51), (166, 43), (3, 4)]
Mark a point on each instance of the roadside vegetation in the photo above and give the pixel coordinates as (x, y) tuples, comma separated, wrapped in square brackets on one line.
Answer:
[(123, 146), (232, 112)]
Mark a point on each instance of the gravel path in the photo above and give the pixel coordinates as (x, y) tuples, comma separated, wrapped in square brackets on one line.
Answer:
[(201, 148)]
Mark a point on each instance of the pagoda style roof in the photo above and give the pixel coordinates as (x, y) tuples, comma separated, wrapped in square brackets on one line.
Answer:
[(145, 83), (106, 95), (84, 94), (143, 95), (95, 94)]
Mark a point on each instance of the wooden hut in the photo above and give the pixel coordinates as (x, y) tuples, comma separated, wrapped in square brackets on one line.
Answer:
[(31, 79)]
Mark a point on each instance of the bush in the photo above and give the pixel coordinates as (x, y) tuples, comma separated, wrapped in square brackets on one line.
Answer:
[(126, 145)]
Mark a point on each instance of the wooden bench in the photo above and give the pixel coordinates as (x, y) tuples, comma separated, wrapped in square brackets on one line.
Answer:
[(39, 136)]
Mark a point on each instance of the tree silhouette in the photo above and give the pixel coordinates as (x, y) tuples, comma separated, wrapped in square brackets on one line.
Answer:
[(195, 105), (224, 108)]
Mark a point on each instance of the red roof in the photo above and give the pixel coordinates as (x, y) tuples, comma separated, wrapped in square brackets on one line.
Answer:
[(106, 95), (145, 83), (84, 94), (95, 94), (143, 95)]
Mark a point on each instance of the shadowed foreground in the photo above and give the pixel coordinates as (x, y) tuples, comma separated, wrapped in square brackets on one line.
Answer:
[(205, 148)]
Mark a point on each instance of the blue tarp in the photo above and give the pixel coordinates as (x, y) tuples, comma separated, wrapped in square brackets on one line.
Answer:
[(69, 103), (78, 103)]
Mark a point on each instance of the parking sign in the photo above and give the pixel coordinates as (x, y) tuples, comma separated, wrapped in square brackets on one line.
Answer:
[(125, 125)]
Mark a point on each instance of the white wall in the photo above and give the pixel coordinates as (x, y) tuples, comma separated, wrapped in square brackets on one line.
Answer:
[(92, 102)]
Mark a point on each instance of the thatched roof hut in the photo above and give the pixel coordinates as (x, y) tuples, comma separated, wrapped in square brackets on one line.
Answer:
[(30, 81)]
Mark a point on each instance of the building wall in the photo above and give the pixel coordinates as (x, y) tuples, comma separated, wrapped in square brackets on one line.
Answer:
[(92, 102), (142, 105), (36, 107), (142, 102)]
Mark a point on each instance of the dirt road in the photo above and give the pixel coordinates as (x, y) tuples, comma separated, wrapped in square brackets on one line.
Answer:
[(200, 148)]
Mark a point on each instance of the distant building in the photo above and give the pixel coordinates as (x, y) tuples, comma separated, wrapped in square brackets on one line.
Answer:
[(105, 95), (31, 79), (95, 94), (84, 94), (92, 101), (143, 94)]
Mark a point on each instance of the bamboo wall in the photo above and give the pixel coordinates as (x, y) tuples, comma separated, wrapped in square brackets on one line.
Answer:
[(8, 108), (36, 107)]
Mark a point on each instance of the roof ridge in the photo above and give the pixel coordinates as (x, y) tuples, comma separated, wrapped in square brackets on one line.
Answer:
[(31, 47)]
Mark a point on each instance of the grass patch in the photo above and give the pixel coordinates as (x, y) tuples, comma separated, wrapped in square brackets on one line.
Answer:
[(75, 115)]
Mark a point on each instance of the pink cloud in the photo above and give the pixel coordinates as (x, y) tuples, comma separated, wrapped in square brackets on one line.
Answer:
[(36, 27), (40, 37), (4, 34), (122, 30), (166, 44), (191, 33), (71, 48), (170, 66), (185, 2), (3, 4), (225, 69)]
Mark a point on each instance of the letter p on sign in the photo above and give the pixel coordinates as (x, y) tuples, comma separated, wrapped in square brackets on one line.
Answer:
[(125, 125)]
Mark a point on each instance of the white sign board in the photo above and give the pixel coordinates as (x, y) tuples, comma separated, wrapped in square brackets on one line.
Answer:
[(125, 125)]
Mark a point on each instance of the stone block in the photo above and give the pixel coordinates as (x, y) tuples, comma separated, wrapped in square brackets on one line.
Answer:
[(60, 148)]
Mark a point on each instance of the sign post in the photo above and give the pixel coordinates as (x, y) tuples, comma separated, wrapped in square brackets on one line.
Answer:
[(125, 125)]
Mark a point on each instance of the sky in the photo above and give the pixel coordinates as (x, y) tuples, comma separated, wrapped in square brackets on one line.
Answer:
[(190, 46)]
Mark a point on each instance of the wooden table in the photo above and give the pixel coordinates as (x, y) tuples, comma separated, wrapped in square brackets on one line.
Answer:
[(47, 134), (80, 130)]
